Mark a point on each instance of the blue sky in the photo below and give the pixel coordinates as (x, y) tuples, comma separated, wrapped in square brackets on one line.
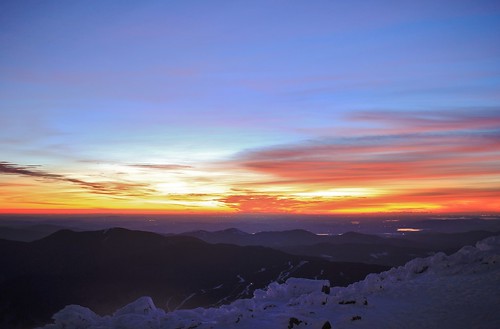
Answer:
[(203, 82)]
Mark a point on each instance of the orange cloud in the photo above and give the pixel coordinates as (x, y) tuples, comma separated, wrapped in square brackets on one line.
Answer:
[(441, 163), (402, 157), (438, 200), (255, 203), (444, 162)]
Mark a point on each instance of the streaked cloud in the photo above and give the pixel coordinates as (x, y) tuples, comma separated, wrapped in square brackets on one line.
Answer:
[(101, 187), (428, 121), (436, 146), (444, 162), (255, 203), (160, 166)]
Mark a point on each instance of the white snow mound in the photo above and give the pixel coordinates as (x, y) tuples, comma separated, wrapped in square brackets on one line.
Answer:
[(457, 291)]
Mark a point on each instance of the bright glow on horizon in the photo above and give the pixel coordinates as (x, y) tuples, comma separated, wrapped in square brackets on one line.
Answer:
[(340, 192), (407, 229)]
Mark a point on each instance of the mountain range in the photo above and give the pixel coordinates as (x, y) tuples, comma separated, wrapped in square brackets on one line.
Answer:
[(107, 269), (458, 291), (351, 246)]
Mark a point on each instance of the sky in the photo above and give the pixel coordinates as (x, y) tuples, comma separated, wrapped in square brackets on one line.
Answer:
[(307, 107)]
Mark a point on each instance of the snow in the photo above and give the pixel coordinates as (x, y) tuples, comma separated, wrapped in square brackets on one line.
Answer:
[(287, 273), (380, 254), (457, 291), (218, 287), (240, 279), (184, 301)]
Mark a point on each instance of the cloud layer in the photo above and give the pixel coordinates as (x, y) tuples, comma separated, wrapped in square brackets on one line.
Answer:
[(443, 160)]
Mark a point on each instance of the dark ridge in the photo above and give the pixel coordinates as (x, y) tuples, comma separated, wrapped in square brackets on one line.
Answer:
[(27, 233), (353, 246), (107, 269)]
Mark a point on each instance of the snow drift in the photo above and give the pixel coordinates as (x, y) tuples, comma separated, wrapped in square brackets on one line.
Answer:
[(457, 291)]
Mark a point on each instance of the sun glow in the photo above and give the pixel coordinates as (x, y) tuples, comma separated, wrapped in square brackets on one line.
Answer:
[(355, 192)]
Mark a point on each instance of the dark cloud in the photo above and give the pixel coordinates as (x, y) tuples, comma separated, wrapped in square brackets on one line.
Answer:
[(11, 168), (107, 187), (160, 166)]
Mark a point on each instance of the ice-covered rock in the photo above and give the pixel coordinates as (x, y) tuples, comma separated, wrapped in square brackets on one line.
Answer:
[(293, 287), (74, 316), (142, 306), (141, 313)]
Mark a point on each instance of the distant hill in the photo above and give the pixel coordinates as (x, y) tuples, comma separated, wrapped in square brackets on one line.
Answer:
[(292, 238), (350, 246), (27, 233), (267, 239), (107, 269)]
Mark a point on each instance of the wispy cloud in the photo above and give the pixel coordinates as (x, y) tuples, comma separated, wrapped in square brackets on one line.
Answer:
[(459, 199), (30, 170), (103, 187), (403, 157), (262, 203), (160, 166), (431, 121), (425, 149)]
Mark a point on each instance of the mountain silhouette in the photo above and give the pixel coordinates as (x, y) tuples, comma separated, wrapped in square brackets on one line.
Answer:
[(107, 269), (350, 246)]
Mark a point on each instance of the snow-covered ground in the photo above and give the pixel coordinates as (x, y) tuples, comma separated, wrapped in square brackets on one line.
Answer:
[(457, 291)]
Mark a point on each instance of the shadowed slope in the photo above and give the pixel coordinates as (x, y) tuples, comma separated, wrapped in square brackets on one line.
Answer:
[(106, 269)]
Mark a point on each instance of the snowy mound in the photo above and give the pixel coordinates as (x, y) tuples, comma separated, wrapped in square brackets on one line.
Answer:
[(457, 291)]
